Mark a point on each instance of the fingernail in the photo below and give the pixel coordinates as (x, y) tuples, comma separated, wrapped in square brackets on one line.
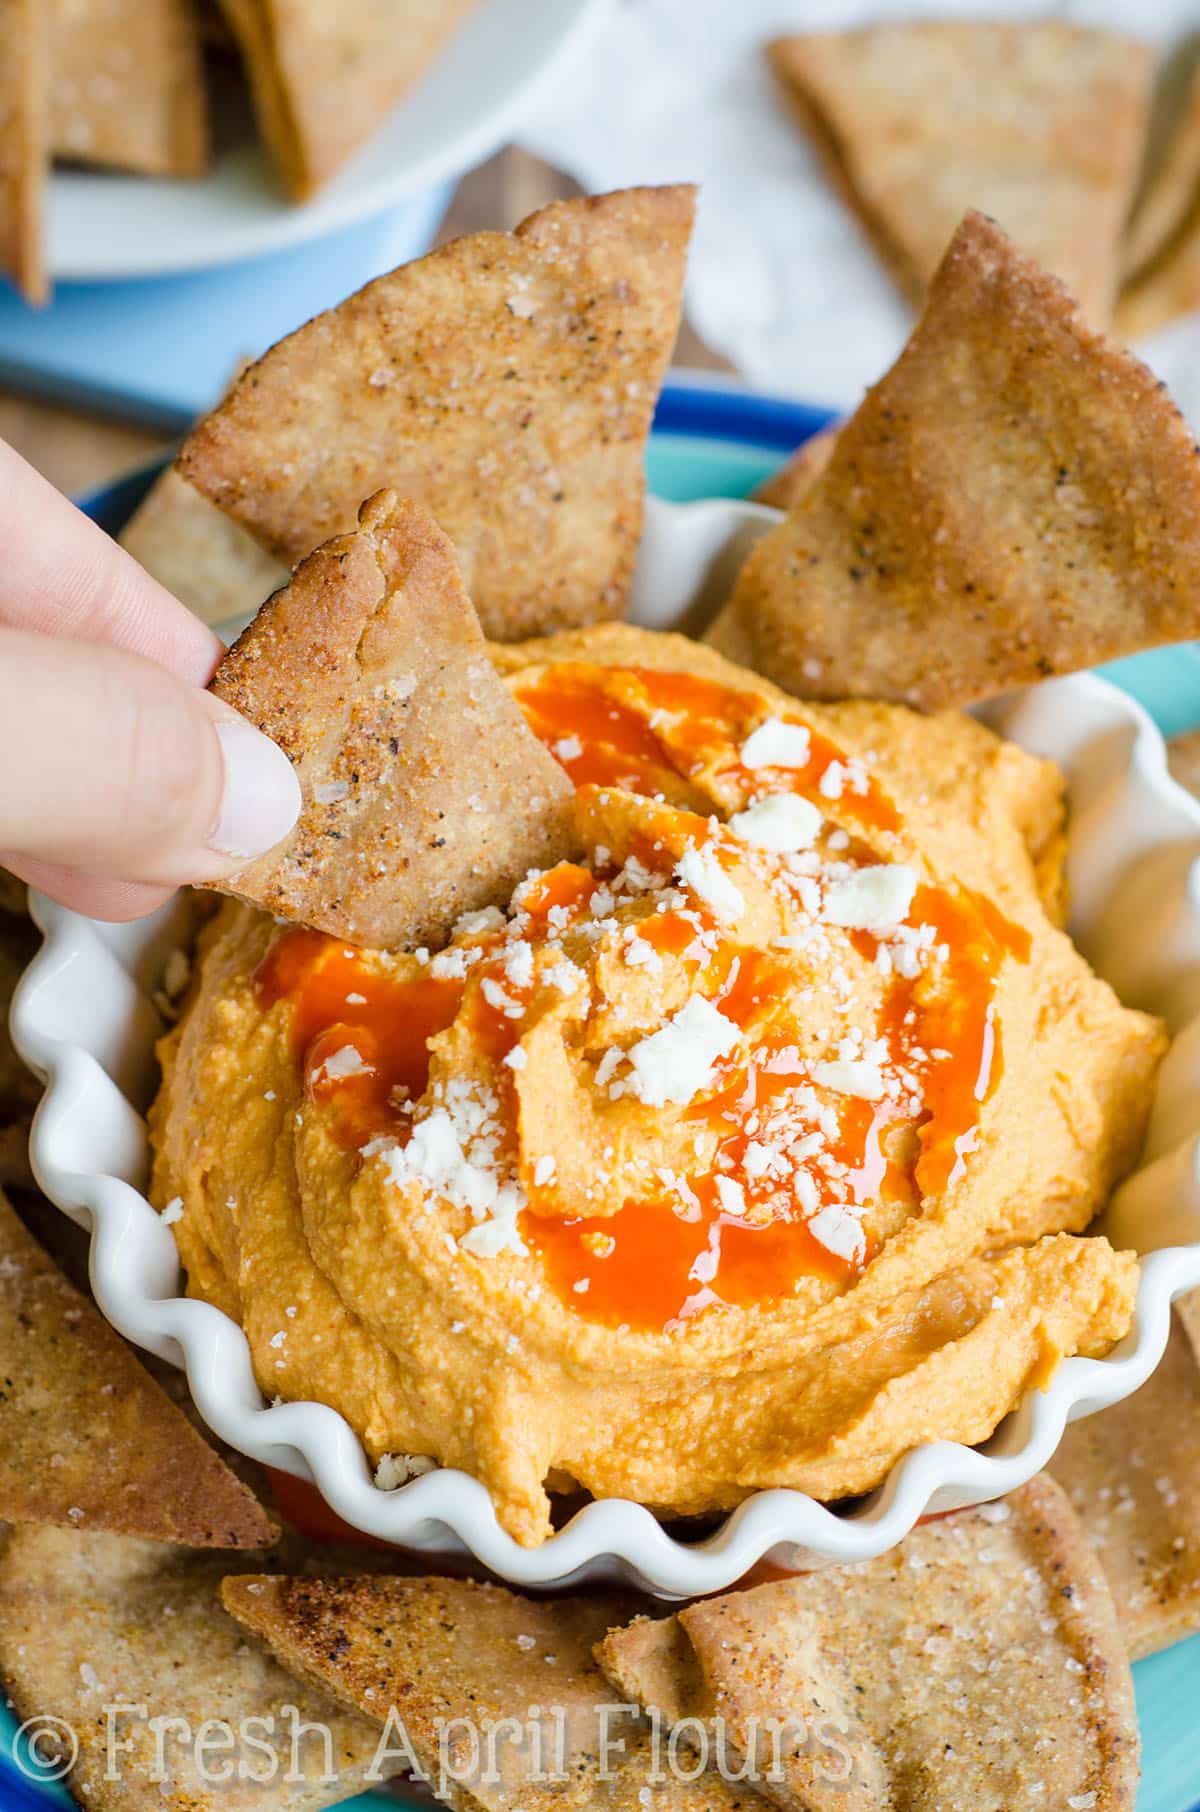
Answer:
[(260, 800)]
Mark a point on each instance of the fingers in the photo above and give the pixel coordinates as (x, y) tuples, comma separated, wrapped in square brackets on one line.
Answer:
[(63, 576), (127, 773), (92, 895)]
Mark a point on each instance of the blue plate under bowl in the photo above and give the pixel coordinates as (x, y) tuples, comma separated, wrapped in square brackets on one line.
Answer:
[(718, 441)]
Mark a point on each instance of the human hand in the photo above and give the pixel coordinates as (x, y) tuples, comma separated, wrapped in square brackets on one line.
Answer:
[(120, 777)]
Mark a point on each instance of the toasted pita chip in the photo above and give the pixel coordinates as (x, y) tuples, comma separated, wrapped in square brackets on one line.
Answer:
[(87, 1439), (439, 1650), (1038, 123), (506, 381), (913, 1676), (326, 77), (1133, 1474), (108, 1635), (787, 486), (1170, 181), (425, 793), (1017, 497), (202, 556), (24, 153), (127, 85)]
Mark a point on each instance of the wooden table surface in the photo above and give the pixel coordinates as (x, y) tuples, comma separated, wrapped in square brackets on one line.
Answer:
[(77, 450)]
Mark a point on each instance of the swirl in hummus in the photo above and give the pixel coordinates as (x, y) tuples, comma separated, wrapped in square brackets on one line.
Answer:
[(751, 1148)]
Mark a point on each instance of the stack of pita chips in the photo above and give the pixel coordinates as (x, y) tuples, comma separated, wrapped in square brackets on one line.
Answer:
[(1055, 130), (120, 84)]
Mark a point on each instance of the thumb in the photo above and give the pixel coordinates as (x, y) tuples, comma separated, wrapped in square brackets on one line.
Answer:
[(114, 766)]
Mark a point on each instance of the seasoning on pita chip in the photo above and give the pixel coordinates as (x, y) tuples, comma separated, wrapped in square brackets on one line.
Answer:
[(1132, 1473), (87, 1439), (506, 381), (1037, 123), (127, 85), (786, 486), (325, 77), (440, 1650), (24, 153), (1017, 497), (912, 1676), (109, 1635), (425, 793), (203, 557)]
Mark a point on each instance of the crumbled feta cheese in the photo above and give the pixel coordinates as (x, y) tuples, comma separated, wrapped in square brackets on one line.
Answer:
[(675, 1062), (701, 872), (347, 1061), (517, 1058), (731, 1195), (782, 821), (850, 1077), (473, 924), (837, 1229), (173, 1211), (544, 1170), (776, 744), (874, 899), (449, 965), (568, 748)]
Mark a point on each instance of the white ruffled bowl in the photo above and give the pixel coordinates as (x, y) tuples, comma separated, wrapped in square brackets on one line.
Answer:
[(84, 1019)]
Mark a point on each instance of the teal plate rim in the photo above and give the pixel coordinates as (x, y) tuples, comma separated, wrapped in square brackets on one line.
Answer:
[(718, 439)]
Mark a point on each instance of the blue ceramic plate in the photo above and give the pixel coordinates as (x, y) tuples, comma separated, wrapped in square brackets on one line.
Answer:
[(721, 442)]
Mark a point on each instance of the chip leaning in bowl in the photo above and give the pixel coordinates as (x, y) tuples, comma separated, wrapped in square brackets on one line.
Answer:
[(750, 1148)]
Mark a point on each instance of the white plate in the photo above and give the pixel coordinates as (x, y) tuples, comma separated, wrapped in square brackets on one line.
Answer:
[(104, 226), (83, 1018)]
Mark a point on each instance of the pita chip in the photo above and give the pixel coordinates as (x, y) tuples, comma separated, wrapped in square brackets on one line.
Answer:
[(1017, 497), (324, 77), (507, 381), (908, 1680), (1132, 1473), (110, 1635), (24, 153), (127, 85), (425, 794), (87, 1439), (202, 556), (786, 486), (1162, 249), (1037, 123), (433, 1652)]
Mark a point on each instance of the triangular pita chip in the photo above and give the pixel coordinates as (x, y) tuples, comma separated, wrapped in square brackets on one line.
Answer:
[(977, 1665), (788, 485), (87, 1439), (108, 1635), (1037, 123), (326, 76), (507, 381), (1017, 497), (24, 153), (203, 557), (1162, 250), (127, 85), (425, 793), (417, 1654), (1170, 188), (1133, 1475)]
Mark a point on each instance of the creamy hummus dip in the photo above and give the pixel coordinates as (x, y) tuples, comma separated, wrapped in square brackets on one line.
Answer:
[(751, 1148)]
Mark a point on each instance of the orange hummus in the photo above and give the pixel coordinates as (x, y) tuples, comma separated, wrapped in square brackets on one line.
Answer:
[(751, 1148)]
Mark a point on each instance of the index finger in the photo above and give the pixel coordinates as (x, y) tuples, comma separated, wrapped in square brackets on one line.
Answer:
[(61, 575)]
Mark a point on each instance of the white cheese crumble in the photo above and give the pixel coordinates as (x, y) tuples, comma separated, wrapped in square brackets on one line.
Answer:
[(676, 1062), (850, 1077), (568, 748), (473, 924), (777, 745), (348, 1061), (545, 1170), (701, 872), (874, 899), (782, 821), (173, 1211), (837, 1229)]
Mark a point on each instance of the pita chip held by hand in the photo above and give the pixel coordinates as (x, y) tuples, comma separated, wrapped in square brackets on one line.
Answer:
[(425, 795)]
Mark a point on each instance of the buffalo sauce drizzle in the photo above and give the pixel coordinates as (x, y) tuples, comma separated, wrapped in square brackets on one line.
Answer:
[(658, 1262)]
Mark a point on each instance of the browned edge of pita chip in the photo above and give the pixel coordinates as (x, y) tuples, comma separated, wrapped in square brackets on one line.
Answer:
[(1017, 497), (1132, 1473), (507, 381), (127, 86), (425, 794), (87, 1439), (203, 557), (967, 1623), (788, 485), (24, 146)]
